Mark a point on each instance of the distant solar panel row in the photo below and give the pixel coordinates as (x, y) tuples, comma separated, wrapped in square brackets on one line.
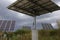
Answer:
[(47, 26), (6, 25)]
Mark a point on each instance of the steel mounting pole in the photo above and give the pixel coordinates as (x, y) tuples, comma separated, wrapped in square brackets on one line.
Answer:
[(34, 31), (35, 22)]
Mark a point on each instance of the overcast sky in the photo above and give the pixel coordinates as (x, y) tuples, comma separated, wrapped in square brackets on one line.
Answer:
[(23, 20)]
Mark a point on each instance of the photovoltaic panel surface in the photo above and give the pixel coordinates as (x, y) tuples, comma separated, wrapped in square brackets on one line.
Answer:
[(12, 26), (47, 26), (3, 25), (7, 25)]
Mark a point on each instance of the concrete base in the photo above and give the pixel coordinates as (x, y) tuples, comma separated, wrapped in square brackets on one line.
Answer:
[(34, 34)]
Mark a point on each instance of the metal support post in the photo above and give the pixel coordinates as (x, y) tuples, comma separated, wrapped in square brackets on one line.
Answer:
[(34, 24), (34, 31)]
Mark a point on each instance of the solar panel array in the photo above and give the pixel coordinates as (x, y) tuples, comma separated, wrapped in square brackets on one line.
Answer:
[(47, 26), (7, 25), (34, 7)]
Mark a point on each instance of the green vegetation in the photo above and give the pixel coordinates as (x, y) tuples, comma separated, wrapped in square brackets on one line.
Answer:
[(49, 35), (27, 35), (17, 35)]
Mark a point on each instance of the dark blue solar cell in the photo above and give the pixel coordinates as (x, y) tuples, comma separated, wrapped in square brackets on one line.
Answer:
[(47, 26), (12, 26), (3, 25), (8, 26)]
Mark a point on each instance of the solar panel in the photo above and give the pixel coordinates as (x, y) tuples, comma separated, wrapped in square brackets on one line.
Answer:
[(12, 26), (3, 25), (7, 25), (47, 26), (34, 7)]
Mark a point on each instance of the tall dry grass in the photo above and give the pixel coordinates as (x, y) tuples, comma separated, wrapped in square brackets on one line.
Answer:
[(49, 35)]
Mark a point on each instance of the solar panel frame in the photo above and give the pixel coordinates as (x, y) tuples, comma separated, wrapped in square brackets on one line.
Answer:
[(29, 7)]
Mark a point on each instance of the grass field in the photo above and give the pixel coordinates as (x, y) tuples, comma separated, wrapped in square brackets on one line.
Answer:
[(27, 35), (49, 35)]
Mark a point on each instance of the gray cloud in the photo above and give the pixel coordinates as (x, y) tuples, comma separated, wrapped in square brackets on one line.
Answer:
[(22, 19), (56, 0)]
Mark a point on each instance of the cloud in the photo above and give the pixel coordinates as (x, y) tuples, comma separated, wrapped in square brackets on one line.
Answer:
[(22, 19), (55, 25), (57, 2)]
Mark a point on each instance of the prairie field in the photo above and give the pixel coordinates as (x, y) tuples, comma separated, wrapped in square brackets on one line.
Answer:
[(27, 35)]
